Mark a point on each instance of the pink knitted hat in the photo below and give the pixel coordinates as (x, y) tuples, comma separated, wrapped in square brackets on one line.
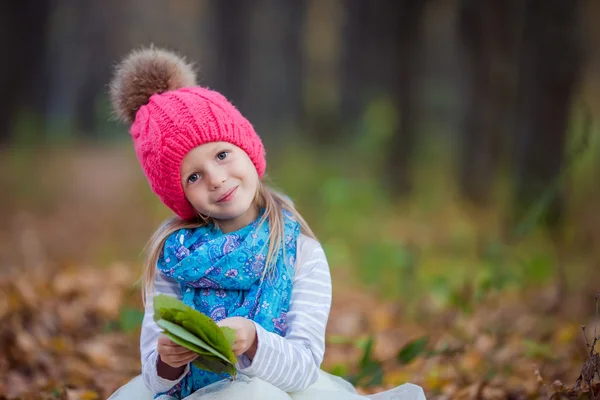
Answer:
[(155, 91)]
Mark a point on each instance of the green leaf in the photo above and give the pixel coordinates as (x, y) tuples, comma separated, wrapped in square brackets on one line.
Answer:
[(187, 336), (215, 365), (339, 370), (216, 337), (130, 319), (539, 350), (370, 371), (205, 360), (202, 326), (229, 333), (166, 305), (372, 375), (174, 310), (189, 345), (366, 357), (412, 350)]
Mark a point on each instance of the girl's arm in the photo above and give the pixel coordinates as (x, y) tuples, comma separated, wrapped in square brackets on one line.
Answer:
[(149, 338), (292, 362)]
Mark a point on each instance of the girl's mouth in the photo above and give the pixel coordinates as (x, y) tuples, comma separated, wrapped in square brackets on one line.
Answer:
[(228, 196)]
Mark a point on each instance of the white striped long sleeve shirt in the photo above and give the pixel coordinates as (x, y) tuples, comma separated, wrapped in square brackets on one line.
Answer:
[(290, 363)]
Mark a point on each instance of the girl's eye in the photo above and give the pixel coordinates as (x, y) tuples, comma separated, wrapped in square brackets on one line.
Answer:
[(222, 155), (193, 178)]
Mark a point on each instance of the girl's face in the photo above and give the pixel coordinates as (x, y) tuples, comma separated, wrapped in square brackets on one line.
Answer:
[(220, 181)]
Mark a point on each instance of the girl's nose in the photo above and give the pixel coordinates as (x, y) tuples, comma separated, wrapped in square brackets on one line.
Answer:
[(217, 178)]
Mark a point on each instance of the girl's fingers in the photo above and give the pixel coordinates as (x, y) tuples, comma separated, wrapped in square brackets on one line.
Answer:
[(165, 341), (187, 358), (175, 350), (191, 358), (182, 359)]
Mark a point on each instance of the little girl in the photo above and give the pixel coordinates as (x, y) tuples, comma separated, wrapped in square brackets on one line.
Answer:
[(236, 250)]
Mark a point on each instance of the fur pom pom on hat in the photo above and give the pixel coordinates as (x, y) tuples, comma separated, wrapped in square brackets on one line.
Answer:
[(144, 73), (155, 91)]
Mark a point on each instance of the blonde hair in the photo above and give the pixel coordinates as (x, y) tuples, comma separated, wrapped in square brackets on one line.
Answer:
[(266, 198)]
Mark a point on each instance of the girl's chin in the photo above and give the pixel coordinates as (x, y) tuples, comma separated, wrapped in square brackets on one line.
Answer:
[(231, 213)]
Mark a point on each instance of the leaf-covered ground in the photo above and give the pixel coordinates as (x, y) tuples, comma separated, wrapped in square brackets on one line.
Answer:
[(72, 333), (70, 309)]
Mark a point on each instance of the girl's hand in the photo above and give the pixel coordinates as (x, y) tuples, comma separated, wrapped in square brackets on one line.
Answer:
[(173, 354), (245, 339)]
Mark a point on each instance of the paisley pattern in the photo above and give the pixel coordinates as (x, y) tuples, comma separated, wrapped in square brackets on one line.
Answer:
[(220, 276)]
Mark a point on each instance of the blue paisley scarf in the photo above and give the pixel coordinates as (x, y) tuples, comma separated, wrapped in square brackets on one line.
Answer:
[(220, 275)]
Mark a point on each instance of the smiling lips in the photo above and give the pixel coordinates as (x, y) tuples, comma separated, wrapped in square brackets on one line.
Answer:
[(228, 196)]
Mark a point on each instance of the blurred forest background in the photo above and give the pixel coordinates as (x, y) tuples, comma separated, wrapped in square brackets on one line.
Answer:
[(446, 153)]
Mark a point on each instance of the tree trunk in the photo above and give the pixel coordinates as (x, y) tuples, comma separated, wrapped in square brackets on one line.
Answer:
[(231, 26), (404, 60), (488, 32), (95, 55), (272, 92), (372, 34), (550, 62), (23, 27)]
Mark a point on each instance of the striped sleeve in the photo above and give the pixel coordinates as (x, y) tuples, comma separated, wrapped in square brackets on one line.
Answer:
[(149, 337), (292, 362)]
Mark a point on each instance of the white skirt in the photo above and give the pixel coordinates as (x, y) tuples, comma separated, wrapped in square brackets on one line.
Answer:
[(327, 387)]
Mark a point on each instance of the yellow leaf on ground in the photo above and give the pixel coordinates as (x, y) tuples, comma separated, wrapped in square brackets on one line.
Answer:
[(567, 333), (396, 378), (82, 395), (434, 380)]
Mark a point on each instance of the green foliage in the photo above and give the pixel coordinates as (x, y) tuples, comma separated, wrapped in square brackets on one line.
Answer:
[(393, 261), (179, 338), (429, 244), (130, 319), (445, 256), (339, 370), (209, 358), (379, 122), (412, 350), (495, 266), (197, 332), (538, 350), (184, 334), (173, 310), (539, 267), (370, 371)]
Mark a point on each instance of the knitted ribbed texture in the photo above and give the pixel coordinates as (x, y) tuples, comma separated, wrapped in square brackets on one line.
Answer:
[(175, 122)]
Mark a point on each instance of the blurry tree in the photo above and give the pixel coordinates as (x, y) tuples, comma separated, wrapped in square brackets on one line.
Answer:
[(404, 56), (550, 61), (286, 58), (231, 24), (366, 44), (322, 40), (488, 30), (524, 61), (23, 26), (380, 50), (81, 56), (259, 59)]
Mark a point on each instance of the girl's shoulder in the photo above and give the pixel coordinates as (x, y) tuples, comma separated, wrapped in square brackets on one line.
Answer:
[(309, 252), (307, 244)]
